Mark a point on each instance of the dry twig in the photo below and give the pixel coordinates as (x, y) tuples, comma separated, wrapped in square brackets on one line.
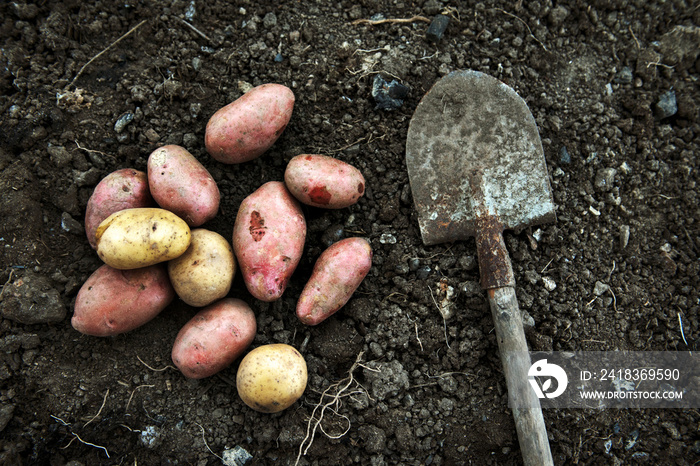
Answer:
[(200, 33), (391, 20), (105, 50)]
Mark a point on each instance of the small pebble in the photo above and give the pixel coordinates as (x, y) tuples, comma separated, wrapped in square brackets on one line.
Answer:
[(624, 76), (564, 156), (437, 28), (604, 179), (387, 238), (237, 456), (549, 284), (388, 95), (413, 264), (600, 288), (270, 20), (624, 236), (667, 105), (122, 121)]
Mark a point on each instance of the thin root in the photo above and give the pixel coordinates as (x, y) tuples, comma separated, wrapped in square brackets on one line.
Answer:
[(133, 392), (207, 445), (76, 436), (321, 407), (9, 279), (104, 400), (153, 369)]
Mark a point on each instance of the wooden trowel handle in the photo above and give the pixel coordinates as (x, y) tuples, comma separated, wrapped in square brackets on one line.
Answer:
[(497, 279), (529, 422)]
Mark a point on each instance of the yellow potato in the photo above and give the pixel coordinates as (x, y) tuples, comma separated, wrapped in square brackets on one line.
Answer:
[(271, 378), (205, 271), (134, 238)]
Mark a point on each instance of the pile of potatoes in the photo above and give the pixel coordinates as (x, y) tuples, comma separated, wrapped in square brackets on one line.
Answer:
[(147, 229)]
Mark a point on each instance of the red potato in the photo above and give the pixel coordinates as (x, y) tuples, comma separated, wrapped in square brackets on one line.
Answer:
[(268, 239), (181, 184), (244, 129), (323, 181), (214, 338), (114, 301), (122, 189), (338, 272)]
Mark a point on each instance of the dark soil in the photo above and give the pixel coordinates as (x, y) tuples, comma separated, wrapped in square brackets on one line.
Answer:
[(624, 171)]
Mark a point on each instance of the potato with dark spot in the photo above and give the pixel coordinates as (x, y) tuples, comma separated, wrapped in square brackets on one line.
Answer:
[(114, 301), (181, 184), (203, 274), (244, 129), (122, 189), (214, 338), (271, 378), (337, 273), (323, 181), (134, 238), (268, 239)]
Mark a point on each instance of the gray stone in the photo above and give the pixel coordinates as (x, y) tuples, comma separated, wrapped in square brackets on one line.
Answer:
[(600, 288), (667, 105), (625, 76), (123, 121), (624, 236), (236, 456), (32, 299)]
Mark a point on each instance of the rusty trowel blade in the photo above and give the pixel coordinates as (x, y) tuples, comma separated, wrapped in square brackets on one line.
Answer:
[(471, 122)]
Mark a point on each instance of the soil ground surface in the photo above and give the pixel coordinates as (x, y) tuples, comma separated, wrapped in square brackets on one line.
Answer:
[(613, 87)]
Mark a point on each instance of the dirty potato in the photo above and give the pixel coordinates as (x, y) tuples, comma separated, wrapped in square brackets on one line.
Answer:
[(323, 181), (180, 183), (114, 301), (135, 238), (205, 271), (271, 378), (337, 273), (244, 129), (122, 189), (214, 338), (268, 239)]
